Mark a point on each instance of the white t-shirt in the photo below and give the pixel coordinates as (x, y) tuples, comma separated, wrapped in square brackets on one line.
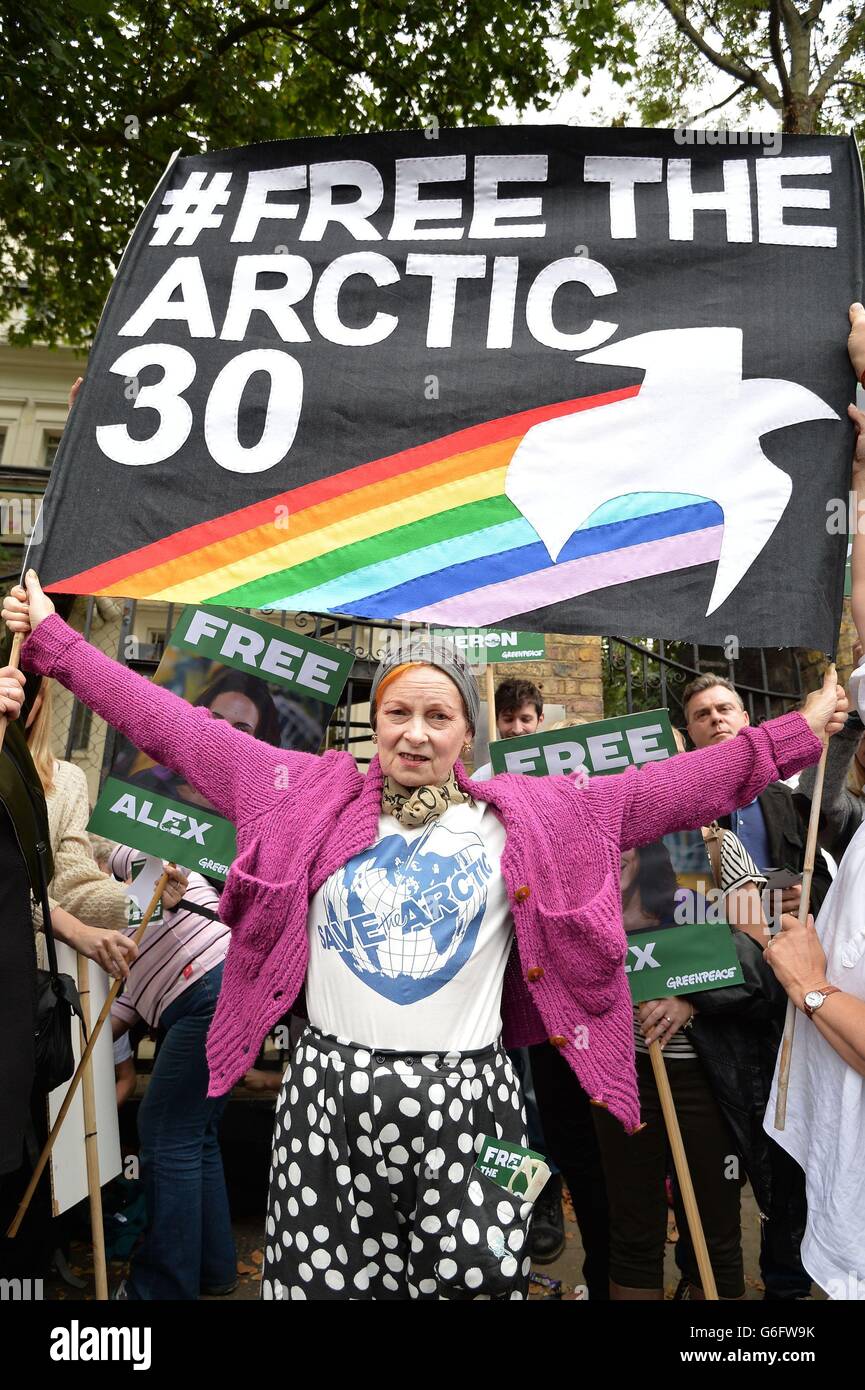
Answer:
[(825, 1126), (410, 939)]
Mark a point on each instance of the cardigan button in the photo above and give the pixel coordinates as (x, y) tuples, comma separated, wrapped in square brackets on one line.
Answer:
[(535, 972), (558, 1041), (522, 893)]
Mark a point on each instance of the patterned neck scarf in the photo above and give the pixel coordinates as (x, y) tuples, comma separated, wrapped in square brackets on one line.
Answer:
[(419, 805)]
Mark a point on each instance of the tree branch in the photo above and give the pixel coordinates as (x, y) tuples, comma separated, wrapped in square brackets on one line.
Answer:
[(746, 74), (181, 96), (854, 37), (737, 91), (776, 49), (359, 69), (812, 14)]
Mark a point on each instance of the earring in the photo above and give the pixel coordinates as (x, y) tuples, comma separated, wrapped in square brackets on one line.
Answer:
[(375, 738)]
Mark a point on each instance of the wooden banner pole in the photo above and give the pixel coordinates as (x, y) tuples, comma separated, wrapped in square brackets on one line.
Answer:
[(75, 1082), (492, 731), (91, 1144), (683, 1172), (804, 904)]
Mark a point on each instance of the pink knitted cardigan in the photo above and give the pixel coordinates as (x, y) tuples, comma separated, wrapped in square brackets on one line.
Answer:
[(300, 817)]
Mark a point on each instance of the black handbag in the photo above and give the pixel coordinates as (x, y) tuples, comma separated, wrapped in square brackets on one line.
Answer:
[(57, 998)]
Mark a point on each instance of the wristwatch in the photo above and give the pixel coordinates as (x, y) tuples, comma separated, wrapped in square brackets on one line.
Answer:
[(816, 998)]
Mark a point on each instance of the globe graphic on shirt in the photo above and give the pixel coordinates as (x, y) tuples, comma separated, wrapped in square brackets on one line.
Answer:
[(405, 915)]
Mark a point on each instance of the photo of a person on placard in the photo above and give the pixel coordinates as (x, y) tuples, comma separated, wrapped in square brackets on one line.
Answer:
[(246, 702)]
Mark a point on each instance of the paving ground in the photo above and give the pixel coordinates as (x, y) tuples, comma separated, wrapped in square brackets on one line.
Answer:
[(246, 1146)]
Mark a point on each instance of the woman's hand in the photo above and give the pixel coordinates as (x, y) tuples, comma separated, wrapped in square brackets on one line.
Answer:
[(797, 958), (11, 691), (110, 949), (661, 1019), (177, 884), (856, 340), (24, 610), (858, 418), (825, 710)]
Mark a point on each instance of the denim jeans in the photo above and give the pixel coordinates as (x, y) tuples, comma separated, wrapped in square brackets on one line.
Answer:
[(784, 1276), (188, 1244)]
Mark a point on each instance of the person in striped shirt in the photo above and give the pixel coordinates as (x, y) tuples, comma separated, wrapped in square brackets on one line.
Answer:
[(174, 984)]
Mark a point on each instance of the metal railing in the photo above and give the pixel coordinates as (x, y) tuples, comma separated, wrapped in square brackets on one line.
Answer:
[(650, 673)]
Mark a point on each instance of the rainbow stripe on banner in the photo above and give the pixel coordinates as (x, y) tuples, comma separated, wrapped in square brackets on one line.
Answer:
[(426, 534)]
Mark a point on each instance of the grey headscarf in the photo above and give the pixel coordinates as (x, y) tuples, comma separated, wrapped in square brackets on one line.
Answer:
[(432, 651)]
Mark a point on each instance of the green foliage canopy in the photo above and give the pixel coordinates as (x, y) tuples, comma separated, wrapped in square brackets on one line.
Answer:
[(97, 95)]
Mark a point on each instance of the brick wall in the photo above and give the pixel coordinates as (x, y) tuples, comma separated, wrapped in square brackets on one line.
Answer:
[(570, 675)]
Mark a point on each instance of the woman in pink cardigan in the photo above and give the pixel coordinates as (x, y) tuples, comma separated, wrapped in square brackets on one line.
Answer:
[(419, 912)]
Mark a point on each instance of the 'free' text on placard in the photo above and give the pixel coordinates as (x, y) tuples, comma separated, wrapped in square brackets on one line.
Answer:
[(606, 752)]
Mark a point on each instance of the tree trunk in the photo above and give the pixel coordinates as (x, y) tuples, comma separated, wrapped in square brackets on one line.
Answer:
[(799, 116)]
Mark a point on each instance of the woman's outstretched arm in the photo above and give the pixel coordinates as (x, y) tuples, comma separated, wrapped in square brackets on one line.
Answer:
[(230, 768), (856, 348), (693, 789)]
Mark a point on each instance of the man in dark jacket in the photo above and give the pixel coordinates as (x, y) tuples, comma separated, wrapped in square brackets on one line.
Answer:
[(23, 824), (773, 832), (842, 810), (18, 873), (771, 828)]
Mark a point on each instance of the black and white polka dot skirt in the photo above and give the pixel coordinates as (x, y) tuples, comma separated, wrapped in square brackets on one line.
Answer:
[(373, 1189)]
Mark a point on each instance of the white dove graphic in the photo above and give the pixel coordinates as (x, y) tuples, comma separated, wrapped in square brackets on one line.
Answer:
[(694, 427)]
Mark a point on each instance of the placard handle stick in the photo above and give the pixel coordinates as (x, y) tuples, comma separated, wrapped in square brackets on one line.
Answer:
[(492, 731), (91, 1144), (85, 1058), (683, 1172), (804, 903), (15, 662)]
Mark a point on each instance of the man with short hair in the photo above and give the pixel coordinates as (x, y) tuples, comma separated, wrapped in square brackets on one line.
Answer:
[(773, 833), (519, 711), (519, 708), (771, 828)]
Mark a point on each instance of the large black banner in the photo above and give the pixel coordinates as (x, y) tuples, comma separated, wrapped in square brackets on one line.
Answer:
[(571, 380)]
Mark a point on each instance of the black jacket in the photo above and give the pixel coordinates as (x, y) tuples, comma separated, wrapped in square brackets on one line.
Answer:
[(23, 798), (841, 810), (736, 1034), (22, 820), (786, 832)]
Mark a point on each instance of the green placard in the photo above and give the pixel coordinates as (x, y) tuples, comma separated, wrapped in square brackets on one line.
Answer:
[(480, 644), (283, 658), (606, 746), (680, 960), (173, 830)]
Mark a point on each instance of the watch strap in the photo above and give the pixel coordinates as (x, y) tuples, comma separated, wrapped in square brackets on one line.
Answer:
[(825, 991)]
